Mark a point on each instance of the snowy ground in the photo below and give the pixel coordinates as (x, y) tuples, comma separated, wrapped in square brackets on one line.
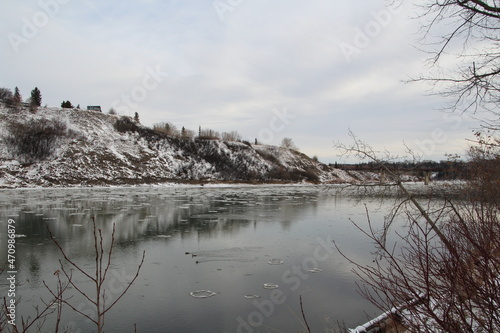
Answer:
[(93, 153)]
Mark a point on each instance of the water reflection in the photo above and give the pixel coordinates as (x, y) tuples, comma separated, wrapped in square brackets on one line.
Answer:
[(226, 242)]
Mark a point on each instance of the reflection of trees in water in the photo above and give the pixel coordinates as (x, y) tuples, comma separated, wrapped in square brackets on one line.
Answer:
[(145, 213), (213, 216), (34, 270)]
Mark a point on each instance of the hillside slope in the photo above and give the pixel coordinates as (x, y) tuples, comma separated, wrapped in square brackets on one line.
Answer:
[(69, 147)]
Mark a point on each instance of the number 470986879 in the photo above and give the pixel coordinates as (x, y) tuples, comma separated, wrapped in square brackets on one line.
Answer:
[(11, 247)]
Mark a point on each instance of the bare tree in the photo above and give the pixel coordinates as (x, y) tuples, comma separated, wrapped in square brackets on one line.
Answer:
[(38, 320), (469, 32), (166, 128), (6, 94), (208, 134), (432, 288), (288, 143), (99, 278), (187, 134), (65, 281), (231, 136), (445, 275)]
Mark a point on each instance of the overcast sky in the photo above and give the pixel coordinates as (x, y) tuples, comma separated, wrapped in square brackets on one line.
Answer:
[(309, 70)]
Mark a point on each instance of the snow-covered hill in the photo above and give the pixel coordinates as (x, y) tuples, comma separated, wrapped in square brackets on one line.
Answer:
[(69, 147)]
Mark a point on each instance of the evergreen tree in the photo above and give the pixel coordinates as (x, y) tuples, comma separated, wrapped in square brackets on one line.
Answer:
[(136, 118), (36, 99), (66, 105), (17, 99)]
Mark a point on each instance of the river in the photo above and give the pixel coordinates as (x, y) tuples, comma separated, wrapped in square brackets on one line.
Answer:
[(217, 259)]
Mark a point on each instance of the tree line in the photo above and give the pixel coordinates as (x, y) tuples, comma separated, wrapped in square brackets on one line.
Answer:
[(444, 169), (170, 129), (15, 100)]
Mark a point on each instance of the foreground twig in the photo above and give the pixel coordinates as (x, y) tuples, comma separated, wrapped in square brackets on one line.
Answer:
[(304, 315), (99, 277)]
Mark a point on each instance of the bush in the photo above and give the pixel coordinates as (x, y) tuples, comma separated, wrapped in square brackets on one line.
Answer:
[(231, 136), (166, 128), (66, 105), (208, 134), (269, 157), (6, 94), (187, 134), (126, 124), (288, 144), (34, 140)]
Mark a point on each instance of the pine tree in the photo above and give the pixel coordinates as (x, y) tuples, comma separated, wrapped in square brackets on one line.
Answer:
[(36, 97), (17, 99), (136, 118), (35, 100)]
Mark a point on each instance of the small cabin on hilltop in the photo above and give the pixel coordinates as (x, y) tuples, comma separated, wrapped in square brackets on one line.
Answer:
[(94, 108)]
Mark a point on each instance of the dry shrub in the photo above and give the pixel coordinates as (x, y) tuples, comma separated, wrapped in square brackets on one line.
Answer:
[(166, 128), (34, 140), (208, 134), (231, 136), (126, 124), (450, 280), (444, 275)]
